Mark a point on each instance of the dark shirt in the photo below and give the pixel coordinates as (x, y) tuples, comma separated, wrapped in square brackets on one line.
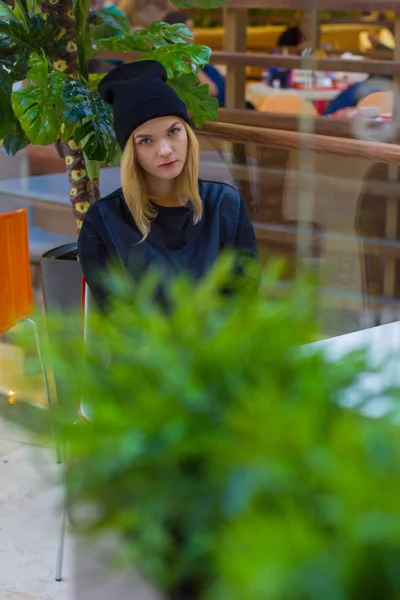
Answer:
[(175, 244)]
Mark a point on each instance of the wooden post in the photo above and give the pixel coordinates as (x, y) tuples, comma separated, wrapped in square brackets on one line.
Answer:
[(235, 23), (392, 204), (310, 27)]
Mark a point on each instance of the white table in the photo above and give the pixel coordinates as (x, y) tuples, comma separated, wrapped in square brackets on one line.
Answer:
[(256, 92), (383, 349)]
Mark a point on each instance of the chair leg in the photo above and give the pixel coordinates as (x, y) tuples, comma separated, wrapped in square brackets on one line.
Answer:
[(64, 514), (46, 385)]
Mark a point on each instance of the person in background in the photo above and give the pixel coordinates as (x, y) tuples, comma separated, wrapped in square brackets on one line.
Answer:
[(350, 97), (292, 37), (142, 13), (376, 43), (207, 75)]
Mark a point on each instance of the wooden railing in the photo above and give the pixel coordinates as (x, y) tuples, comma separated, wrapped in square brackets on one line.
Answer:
[(293, 140), (343, 128)]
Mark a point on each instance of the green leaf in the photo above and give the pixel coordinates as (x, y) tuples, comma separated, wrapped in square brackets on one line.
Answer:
[(156, 36), (196, 97), (90, 119), (129, 42), (6, 13), (39, 106), (178, 58), (14, 57), (16, 140), (38, 37), (94, 80), (6, 112), (159, 34), (92, 168)]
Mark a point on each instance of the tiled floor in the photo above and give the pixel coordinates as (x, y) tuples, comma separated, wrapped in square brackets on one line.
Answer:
[(29, 521), (30, 498)]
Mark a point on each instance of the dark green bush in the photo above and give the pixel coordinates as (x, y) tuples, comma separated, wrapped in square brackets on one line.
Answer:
[(220, 452)]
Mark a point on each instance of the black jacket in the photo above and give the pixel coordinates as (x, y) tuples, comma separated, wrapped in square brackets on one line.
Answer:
[(175, 245)]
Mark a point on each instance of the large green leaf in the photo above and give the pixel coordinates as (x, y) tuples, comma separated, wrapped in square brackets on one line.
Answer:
[(129, 42), (39, 107), (196, 97), (16, 140), (159, 34), (179, 58), (90, 119), (156, 36), (6, 111), (6, 13)]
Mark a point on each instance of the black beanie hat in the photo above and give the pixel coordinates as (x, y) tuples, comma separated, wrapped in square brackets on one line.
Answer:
[(139, 92)]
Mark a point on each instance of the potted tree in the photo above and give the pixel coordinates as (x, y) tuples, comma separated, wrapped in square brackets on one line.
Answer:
[(222, 452), (48, 44)]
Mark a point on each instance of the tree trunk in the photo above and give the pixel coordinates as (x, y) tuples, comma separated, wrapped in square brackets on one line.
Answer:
[(83, 191)]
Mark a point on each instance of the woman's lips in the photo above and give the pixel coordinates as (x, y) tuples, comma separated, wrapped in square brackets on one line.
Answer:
[(168, 165)]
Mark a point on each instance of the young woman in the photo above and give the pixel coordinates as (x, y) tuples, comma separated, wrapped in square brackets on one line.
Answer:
[(163, 216)]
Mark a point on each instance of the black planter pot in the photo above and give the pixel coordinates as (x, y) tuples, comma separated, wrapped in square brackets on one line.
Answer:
[(61, 278), (62, 286)]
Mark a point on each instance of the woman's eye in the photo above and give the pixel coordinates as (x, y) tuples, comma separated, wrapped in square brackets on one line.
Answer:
[(174, 131), (145, 142)]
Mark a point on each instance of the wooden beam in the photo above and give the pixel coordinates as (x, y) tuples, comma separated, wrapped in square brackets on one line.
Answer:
[(372, 5), (310, 28), (381, 67), (235, 40)]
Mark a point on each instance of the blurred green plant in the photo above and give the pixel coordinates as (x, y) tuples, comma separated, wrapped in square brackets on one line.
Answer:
[(219, 450), (48, 45)]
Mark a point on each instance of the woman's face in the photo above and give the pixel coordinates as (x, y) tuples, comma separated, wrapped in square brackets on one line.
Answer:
[(161, 147)]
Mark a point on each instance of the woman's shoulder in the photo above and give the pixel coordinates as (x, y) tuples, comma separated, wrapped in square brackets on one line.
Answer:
[(219, 192)]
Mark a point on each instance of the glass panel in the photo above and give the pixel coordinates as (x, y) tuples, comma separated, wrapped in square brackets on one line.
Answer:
[(349, 204)]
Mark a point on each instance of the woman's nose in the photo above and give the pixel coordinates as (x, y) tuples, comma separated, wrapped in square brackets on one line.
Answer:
[(165, 148)]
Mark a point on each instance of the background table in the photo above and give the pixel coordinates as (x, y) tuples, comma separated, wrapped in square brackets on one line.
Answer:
[(256, 92), (382, 345)]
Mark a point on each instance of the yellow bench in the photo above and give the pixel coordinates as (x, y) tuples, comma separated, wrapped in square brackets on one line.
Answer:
[(340, 37)]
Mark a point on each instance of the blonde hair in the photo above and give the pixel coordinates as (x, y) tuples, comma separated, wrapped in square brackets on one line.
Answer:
[(135, 190)]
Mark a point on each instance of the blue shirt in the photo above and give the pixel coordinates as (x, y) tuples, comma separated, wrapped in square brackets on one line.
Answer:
[(219, 81), (354, 93)]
